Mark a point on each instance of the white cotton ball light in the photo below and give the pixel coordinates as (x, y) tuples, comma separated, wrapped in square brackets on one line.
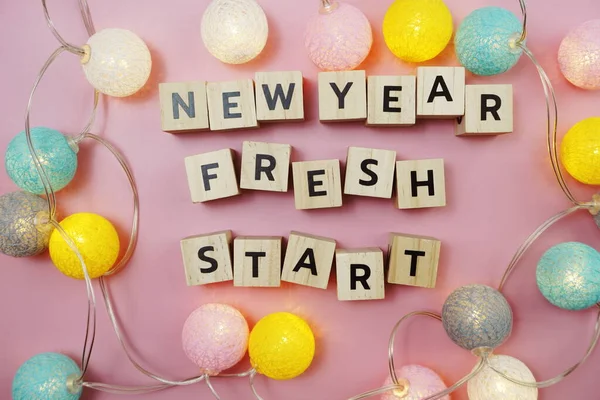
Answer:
[(489, 385), (116, 62), (234, 31)]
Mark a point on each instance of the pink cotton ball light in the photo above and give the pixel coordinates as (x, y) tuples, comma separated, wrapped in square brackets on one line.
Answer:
[(579, 55), (422, 383), (215, 337), (339, 38)]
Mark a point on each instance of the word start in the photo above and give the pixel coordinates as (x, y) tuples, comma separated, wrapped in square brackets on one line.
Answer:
[(257, 262), (435, 92)]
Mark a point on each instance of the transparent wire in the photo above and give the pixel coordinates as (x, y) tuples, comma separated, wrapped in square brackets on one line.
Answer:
[(211, 388), (118, 389), (86, 15), (524, 13), (401, 384), (69, 47), (564, 374), (252, 387), (552, 125), (133, 237)]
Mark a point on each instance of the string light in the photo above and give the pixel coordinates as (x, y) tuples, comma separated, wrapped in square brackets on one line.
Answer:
[(580, 151), (234, 31), (215, 337), (96, 239), (487, 40), (24, 224), (419, 382), (489, 385), (417, 30), (568, 275), (57, 155), (116, 62), (339, 37), (579, 55)]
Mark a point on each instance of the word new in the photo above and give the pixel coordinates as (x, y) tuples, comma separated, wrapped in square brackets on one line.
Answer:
[(435, 92), (308, 260), (317, 184)]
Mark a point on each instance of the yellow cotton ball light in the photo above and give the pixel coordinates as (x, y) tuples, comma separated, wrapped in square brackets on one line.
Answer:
[(417, 30), (580, 151), (96, 239), (281, 346)]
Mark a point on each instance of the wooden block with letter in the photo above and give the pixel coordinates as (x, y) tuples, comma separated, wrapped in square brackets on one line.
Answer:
[(317, 184), (308, 260), (440, 92), (265, 166), (183, 106), (211, 176), (257, 261), (488, 111), (360, 274), (207, 258), (279, 96), (392, 100), (370, 172), (231, 105), (420, 184), (342, 96), (413, 260)]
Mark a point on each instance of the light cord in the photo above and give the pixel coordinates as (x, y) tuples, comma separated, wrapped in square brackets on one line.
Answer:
[(69, 47), (252, 387)]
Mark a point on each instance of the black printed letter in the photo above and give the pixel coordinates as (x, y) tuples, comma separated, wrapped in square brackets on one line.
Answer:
[(268, 169), (341, 95), (255, 256), (189, 109), (490, 109), (354, 277), (439, 81), (206, 177), (307, 261), (387, 98), (414, 258), (228, 105), (312, 183), (414, 183), (364, 167)]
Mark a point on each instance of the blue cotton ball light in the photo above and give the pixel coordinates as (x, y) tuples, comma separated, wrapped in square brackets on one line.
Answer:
[(477, 317), (56, 153), (568, 275), (47, 376), (485, 42)]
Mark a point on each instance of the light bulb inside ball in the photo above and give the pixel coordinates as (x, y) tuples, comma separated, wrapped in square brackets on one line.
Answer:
[(579, 55), (234, 31), (419, 382), (116, 62), (489, 385), (339, 37), (580, 151)]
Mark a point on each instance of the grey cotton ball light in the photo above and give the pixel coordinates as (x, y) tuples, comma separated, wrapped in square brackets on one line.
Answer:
[(477, 316), (24, 227)]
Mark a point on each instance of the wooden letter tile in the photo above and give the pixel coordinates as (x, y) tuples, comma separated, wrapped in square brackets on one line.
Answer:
[(392, 100), (413, 260), (420, 184), (211, 176), (279, 96), (370, 172), (360, 274), (489, 110), (317, 184), (308, 260), (440, 92), (183, 106), (231, 105), (265, 166), (342, 96), (207, 258), (257, 261)]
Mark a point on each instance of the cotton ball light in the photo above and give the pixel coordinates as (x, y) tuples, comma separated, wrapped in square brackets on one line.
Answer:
[(476, 317), (281, 346), (568, 275), (417, 30), (489, 385), (486, 41), (234, 31), (215, 337), (47, 376), (339, 37), (579, 55), (580, 151), (57, 155), (421, 382), (116, 62), (24, 224), (96, 239)]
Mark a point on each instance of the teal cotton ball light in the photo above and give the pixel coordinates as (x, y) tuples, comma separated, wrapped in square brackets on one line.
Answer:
[(57, 155), (47, 376), (568, 275), (486, 40)]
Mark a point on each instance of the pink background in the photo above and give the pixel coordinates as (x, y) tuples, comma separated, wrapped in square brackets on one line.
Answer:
[(498, 189)]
